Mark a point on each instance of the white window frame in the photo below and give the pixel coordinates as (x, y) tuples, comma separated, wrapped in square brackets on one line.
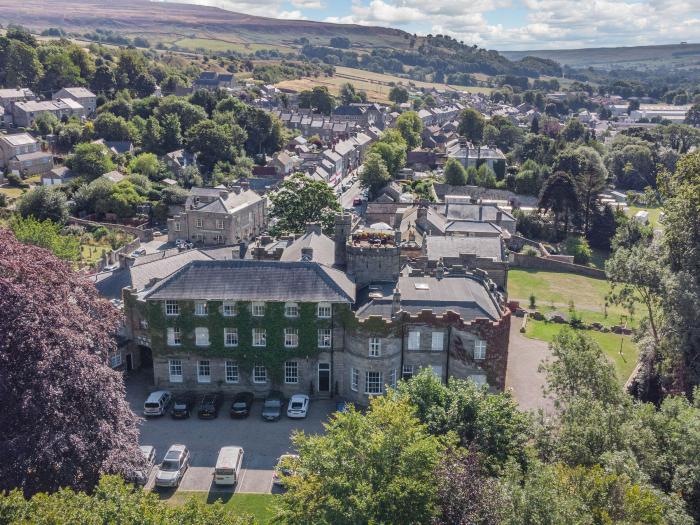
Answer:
[(219, 224), (174, 336), (291, 337), (414, 339), (256, 376), (258, 309), (408, 371), (479, 350), (199, 333), (291, 372), (324, 310), (437, 341), (354, 379), (115, 360), (231, 370), (177, 226), (325, 338), (198, 223), (291, 310), (175, 365), (204, 365), (200, 308), (228, 309), (259, 337), (374, 347), (392, 378), (233, 334), (172, 308), (376, 382)]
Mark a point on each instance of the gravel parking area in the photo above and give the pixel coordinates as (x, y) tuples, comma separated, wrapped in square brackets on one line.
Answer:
[(263, 442)]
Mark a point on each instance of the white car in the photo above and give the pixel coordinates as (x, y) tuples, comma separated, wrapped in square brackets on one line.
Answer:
[(173, 468), (111, 267), (298, 406), (139, 252)]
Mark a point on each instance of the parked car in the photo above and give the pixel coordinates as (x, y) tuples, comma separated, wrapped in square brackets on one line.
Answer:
[(272, 408), (298, 406), (173, 467), (344, 406), (240, 407), (285, 467), (209, 406), (228, 466), (357, 201), (182, 405), (157, 403), (139, 252), (111, 267), (140, 477)]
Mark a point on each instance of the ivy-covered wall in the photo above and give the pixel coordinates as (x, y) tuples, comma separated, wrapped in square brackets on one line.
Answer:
[(272, 356)]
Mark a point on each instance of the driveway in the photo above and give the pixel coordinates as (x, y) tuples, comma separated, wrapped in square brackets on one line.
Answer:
[(522, 376), (262, 442)]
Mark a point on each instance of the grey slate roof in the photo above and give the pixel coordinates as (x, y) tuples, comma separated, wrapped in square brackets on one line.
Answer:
[(323, 248), (462, 294), (452, 246), (252, 280), (144, 274)]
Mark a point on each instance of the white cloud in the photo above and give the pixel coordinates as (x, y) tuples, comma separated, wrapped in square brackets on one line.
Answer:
[(308, 4)]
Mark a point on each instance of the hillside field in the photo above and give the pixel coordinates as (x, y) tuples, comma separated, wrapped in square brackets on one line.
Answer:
[(376, 85)]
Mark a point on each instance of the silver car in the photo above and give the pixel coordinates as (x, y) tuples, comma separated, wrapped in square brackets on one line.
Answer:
[(174, 466)]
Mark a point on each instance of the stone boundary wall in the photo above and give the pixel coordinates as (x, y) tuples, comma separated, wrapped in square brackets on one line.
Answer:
[(519, 260), (143, 234)]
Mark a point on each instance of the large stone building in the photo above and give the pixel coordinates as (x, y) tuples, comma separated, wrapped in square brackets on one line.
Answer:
[(305, 324), (22, 154), (219, 216)]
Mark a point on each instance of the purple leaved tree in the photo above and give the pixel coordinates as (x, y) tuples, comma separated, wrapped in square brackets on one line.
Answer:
[(64, 419)]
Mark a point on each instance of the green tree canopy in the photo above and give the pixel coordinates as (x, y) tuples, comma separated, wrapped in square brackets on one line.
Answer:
[(455, 174), (90, 161), (374, 175), (44, 202), (301, 200), (410, 126)]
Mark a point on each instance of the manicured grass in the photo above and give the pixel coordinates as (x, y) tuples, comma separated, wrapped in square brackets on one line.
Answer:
[(610, 343), (558, 288), (260, 506), (654, 214)]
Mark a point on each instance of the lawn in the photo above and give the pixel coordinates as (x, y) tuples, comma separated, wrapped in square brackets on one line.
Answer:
[(624, 361), (90, 254), (557, 288), (654, 214), (11, 192), (260, 506)]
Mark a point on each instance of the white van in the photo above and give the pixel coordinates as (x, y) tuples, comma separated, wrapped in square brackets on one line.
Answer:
[(228, 466), (157, 403)]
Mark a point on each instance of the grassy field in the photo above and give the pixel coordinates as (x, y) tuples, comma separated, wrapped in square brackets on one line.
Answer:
[(90, 253), (376, 85), (260, 506), (224, 45), (557, 288), (624, 360), (654, 214)]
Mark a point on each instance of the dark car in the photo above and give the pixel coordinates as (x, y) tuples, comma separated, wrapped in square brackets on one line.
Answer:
[(272, 409), (240, 407), (182, 405), (209, 406), (344, 406)]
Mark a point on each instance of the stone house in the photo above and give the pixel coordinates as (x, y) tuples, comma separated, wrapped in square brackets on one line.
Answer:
[(219, 216), (22, 154), (302, 324), (81, 95), (25, 113)]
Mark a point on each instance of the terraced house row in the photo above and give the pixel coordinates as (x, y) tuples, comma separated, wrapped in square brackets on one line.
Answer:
[(329, 317)]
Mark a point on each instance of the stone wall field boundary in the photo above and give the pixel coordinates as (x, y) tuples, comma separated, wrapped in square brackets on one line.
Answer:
[(519, 260)]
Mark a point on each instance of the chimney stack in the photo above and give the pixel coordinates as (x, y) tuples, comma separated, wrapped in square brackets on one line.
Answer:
[(396, 302)]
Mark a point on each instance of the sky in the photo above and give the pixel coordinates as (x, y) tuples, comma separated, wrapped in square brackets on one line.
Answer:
[(503, 24)]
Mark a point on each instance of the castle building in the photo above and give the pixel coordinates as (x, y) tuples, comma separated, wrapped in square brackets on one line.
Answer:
[(331, 316)]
